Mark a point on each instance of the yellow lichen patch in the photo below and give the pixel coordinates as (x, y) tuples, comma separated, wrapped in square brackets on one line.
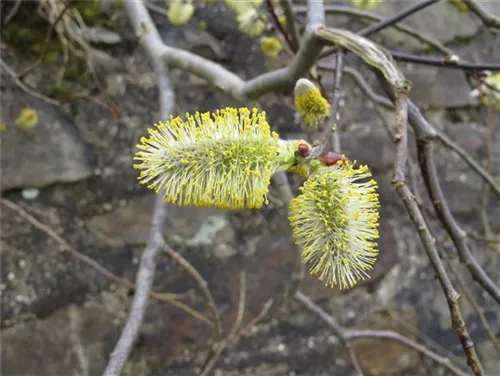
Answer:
[(271, 46), (223, 159), (28, 118), (310, 104), (366, 4), (3, 127), (335, 220), (180, 11)]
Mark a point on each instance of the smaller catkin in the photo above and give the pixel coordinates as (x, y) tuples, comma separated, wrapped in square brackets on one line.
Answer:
[(310, 104), (335, 220)]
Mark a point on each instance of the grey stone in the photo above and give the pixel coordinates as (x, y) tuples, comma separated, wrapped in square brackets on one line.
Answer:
[(438, 87), (74, 341), (130, 224), (51, 152)]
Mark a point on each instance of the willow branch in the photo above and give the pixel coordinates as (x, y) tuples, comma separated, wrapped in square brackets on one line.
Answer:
[(444, 62), (486, 17), (291, 23), (147, 265), (394, 19), (399, 182), (346, 336), (401, 27), (336, 328), (470, 161), (331, 125), (202, 284)]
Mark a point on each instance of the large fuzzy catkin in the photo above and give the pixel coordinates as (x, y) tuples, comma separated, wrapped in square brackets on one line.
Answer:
[(223, 159), (180, 11), (335, 220)]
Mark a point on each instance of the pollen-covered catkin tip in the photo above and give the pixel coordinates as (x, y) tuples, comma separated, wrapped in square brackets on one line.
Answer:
[(310, 104), (223, 159), (335, 220)]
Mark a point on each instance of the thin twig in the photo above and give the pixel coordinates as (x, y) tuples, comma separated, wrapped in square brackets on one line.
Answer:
[(352, 334), (279, 26), (441, 136), (396, 18), (388, 334), (64, 246), (233, 335), (403, 28), (281, 181), (202, 284), (443, 62), (464, 289), (331, 125), (24, 87), (291, 23), (417, 218), (447, 141), (144, 280), (486, 17), (426, 160), (147, 265), (333, 324), (12, 13), (46, 42)]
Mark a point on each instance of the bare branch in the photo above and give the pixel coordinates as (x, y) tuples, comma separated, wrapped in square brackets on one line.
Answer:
[(394, 19), (144, 281), (331, 125), (444, 62), (277, 23), (333, 324), (24, 87), (469, 160), (417, 34), (202, 284), (485, 16), (425, 235), (291, 23), (147, 266), (315, 13)]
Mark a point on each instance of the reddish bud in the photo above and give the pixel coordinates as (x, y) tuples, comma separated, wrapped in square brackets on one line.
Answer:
[(329, 158), (303, 150)]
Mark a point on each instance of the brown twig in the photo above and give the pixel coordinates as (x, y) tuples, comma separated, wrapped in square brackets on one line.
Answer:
[(486, 17), (389, 21), (47, 39), (202, 284), (443, 62), (233, 335), (333, 324), (331, 125), (427, 165), (473, 303), (144, 281), (375, 28), (417, 218), (351, 334), (7, 69), (279, 26), (291, 23), (403, 28), (64, 246)]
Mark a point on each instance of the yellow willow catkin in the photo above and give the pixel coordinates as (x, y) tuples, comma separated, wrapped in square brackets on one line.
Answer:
[(310, 104), (223, 159), (335, 220)]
